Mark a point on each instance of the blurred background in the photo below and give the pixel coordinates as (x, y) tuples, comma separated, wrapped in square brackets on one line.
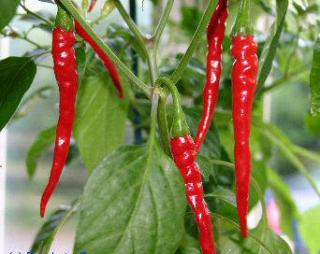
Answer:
[(287, 107)]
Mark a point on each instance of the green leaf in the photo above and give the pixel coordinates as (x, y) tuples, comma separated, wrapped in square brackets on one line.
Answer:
[(189, 245), (315, 80), (16, 76), (270, 47), (100, 119), (134, 202), (42, 142), (261, 240), (309, 227), (7, 11), (285, 201), (51, 227)]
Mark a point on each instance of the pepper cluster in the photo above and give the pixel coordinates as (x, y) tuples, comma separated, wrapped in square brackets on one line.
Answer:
[(65, 69), (184, 149)]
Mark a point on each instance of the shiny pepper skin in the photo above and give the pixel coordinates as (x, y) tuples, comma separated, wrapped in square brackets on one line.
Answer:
[(65, 68), (244, 81), (104, 57), (184, 154), (215, 36)]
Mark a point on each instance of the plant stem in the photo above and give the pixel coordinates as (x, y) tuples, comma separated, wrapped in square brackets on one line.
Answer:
[(126, 71), (154, 109), (48, 22), (175, 77), (284, 80), (163, 121), (138, 35), (162, 23)]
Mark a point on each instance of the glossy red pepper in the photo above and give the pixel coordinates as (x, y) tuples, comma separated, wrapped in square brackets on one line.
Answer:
[(244, 81), (104, 57), (215, 36), (65, 69), (184, 155)]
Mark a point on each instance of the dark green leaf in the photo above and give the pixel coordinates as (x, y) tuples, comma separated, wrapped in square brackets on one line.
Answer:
[(270, 47), (16, 76), (7, 11), (134, 202), (51, 227), (189, 245), (43, 141), (191, 17), (315, 80), (100, 119)]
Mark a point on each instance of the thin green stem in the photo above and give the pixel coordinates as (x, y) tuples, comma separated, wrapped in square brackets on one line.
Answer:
[(283, 80), (175, 77), (154, 110), (162, 23), (140, 38), (48, 22), (163, 121), (243, 24), (123, 67)]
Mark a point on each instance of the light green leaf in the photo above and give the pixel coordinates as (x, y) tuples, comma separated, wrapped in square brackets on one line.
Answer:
[(309, 226), (100, 119), (16, 76), (315, 80), (42, 142), (134, 202), (51, 227), (270, 47), (7, 11), (288, 150), (285, 201)]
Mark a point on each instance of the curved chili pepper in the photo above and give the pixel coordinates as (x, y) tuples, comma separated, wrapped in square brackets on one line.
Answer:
[(104, 57), (92, 5), (65, 69), (215, 36), (184, 155), (244, 82)]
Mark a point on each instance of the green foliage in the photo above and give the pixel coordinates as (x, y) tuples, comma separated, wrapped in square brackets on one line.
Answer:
[(309, 226), (16, 76), (270, 47), (285, 201), (315, 80), (133, 202), (7, 11), (134, 199), (260, 241), (51, 228), (42, 142), (100, 119)]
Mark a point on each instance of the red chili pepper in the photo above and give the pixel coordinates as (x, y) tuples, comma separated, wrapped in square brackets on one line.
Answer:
[(92, 5), (215, 36), (244, 81), (65, 68), (184, 155), (104, 57)]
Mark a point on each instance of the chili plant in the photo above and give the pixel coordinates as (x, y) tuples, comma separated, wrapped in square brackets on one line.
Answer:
[(189, 172)]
